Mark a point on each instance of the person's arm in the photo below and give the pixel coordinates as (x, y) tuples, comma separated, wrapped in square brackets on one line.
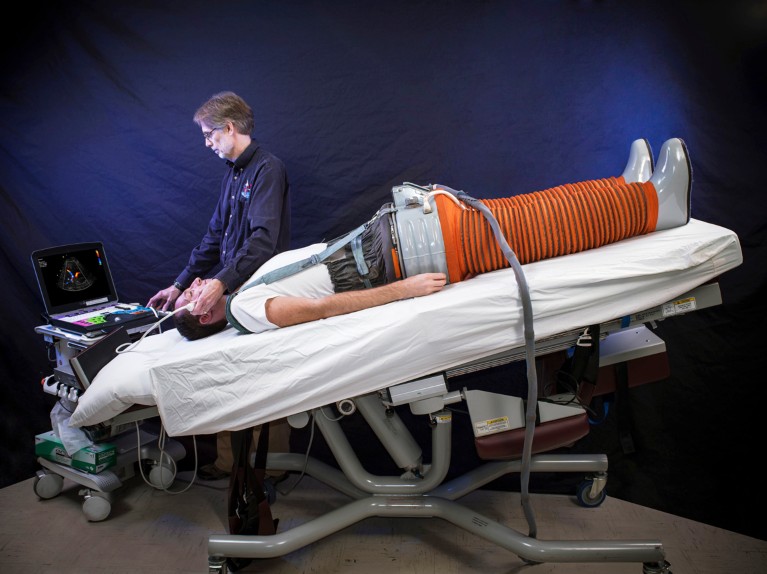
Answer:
[(203, 258), (285, 311), (207, 254), (164, 299), (210, 295)]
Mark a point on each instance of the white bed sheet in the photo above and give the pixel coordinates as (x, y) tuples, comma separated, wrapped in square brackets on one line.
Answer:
[(231, 381)]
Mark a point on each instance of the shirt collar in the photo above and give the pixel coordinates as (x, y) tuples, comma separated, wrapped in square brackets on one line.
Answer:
[(245, 156)]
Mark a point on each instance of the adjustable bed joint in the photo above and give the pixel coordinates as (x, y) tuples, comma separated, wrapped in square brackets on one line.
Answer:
[(417, 390), (425, 396)]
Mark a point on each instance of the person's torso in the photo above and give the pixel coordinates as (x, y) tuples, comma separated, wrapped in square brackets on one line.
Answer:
[(248, 307), (238, 219)]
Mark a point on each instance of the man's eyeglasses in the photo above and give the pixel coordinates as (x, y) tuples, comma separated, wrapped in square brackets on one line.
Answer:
[(207, 135)]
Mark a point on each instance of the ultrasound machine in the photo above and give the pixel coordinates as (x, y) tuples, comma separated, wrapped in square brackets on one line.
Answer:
[(85, 324)]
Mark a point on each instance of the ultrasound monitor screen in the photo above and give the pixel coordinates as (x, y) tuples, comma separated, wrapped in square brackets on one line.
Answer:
[(73, 277)]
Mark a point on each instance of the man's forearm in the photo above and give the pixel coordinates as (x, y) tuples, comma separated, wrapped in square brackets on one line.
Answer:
[(351, 301), (286, 311)]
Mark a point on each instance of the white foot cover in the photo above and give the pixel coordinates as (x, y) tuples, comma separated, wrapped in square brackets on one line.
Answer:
[(673, 182)]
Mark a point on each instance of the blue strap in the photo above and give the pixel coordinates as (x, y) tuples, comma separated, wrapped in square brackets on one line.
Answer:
[(359, 258)]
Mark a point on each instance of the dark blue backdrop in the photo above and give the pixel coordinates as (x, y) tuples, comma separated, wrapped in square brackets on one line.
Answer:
[(97, 143)]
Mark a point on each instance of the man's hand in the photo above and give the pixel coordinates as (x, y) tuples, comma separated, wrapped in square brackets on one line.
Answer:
[(422, 284), (163, 300), (210, 295)]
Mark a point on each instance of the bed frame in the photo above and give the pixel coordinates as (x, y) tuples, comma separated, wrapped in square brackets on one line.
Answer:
[(421, 491)]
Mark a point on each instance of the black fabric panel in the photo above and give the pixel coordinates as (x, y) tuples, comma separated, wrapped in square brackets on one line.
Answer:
[(495, 98)]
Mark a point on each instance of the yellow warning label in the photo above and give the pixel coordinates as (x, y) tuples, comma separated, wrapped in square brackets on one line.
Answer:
[(491, 426), (679, 306)]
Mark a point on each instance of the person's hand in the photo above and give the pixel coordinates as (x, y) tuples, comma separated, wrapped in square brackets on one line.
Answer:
[(163, 300), (210, 295), (423, 284)]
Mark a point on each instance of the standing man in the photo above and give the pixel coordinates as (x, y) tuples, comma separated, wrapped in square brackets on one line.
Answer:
[(251, 221), (250, 224)]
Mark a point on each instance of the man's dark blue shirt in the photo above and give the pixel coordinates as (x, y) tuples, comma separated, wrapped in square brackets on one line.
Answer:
[(251, 222)]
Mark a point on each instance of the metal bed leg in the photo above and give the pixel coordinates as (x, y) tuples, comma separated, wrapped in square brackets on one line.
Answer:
[(408, 498), (488, 472), (530, 549), (360, 478)]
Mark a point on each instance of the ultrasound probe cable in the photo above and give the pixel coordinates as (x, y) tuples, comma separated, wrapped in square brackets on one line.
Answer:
[(125, 347)]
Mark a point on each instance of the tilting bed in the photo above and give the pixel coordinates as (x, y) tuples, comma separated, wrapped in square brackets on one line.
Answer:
[(402, 353)]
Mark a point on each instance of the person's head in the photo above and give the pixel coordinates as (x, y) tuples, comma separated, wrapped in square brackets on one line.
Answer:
[(195, 327), (226, 121)]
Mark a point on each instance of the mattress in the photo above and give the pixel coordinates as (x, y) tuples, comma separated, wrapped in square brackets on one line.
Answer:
[(232, 381)]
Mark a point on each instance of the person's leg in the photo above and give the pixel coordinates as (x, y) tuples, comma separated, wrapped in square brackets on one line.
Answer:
[(568, 218), (639, 167), (279, 436), (279, 441), (222, 466), (380, 254), (673, 182), (224, 454)]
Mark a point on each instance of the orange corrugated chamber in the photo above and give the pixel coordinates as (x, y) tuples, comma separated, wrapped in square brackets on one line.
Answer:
[(549, 223)]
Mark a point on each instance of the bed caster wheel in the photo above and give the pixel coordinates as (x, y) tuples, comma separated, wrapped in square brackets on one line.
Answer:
[(236, 564), (217, 565), (96, 505), (161, 476), (590, 494), (48, 485), (656, 567)]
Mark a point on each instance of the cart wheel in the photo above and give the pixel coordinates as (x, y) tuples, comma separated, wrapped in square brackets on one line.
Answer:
[(162, 476), (96, 505), (585, 498), (48, 485)]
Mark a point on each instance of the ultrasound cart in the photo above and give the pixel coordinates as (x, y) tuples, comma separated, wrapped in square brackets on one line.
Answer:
[(83, 313), (137, 449)]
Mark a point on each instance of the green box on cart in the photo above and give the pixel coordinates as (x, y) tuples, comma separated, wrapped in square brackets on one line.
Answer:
[(92, 459)]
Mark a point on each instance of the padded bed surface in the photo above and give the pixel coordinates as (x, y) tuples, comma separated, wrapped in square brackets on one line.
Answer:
[(231, 381)]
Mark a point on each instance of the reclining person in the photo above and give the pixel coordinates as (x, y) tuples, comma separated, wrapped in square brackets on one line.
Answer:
[(538, 225)]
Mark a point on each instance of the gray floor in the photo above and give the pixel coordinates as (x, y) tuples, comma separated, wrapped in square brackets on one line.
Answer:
[(149, 530)]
